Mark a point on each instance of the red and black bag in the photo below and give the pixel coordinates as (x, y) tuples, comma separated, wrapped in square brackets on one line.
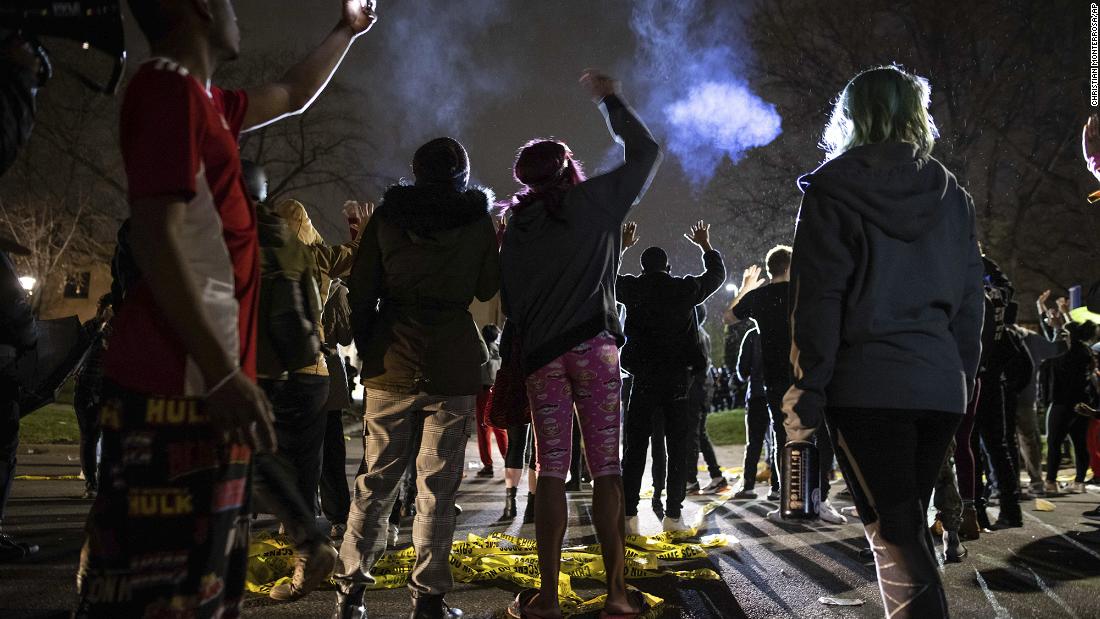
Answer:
[(508, 404)]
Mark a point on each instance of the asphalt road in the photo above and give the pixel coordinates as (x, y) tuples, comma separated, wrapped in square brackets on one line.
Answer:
[(1048, 569)]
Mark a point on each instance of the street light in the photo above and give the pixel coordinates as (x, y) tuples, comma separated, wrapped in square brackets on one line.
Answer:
[(731, 287), (27, 282)]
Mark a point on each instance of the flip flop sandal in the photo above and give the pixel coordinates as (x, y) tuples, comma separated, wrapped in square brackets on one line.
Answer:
[(643, 607), (518, 608)]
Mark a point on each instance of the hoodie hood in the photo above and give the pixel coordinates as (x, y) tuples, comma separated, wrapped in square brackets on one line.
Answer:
[(298, 221), (888, 185), (426, 209)]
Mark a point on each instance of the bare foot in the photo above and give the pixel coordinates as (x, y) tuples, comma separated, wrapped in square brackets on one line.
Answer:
[(548, 610), (625, 603)]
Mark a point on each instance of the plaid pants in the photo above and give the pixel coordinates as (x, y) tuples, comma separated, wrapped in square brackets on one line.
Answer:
[(388, 426)]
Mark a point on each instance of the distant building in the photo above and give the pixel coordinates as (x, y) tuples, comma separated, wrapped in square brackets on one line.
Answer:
[(73, 291)]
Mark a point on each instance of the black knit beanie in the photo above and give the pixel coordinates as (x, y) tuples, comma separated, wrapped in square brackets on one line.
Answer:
[(442, 161)]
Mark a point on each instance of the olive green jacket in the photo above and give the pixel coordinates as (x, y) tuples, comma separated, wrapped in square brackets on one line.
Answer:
[(423, 258)]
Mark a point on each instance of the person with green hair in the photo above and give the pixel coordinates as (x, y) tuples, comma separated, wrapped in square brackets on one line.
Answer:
[(886, 318)]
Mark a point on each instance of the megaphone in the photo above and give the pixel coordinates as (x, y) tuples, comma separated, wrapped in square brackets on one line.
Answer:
[(95, 24)]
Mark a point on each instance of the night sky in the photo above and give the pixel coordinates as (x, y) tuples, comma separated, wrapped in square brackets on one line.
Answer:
[(496, 73), (512, 69)]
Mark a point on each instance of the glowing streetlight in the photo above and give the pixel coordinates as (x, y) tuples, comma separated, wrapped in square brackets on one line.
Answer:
[(731, 287), (27, 282)]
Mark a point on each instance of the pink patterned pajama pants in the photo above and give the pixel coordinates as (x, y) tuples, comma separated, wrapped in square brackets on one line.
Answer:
[(587, 378)]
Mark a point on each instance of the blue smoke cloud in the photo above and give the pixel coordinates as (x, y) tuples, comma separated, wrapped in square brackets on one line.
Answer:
[(692, 62)]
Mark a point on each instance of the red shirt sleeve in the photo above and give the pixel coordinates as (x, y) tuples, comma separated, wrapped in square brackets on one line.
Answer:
[(161, 134), (234, 105)]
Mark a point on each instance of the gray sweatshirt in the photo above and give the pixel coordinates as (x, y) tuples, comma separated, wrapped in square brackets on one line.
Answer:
[(558, 273), (886, 286)]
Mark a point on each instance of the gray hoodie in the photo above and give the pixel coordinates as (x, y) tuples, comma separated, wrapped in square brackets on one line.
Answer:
[(886, 286)]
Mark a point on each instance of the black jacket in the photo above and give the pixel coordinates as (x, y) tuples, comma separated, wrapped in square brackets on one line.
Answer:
[(18, 331), (662, 326), (886, 286), (1064, 380)]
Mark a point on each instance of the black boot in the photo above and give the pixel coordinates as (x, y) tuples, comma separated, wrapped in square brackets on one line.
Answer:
[(433, 607), (509, 504), (349, 602), (953, 549), (529, 509), (1010, 517)]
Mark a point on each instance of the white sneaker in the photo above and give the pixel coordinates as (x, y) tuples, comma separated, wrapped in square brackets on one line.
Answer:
[(717, 485), (851, 511), (1077, 487), (829, 514), (673, 524), (775, 516), (632, 525)]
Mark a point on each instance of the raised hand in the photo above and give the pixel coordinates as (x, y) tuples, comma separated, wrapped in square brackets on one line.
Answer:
[(598, 84), (1041, 302), (630, 235), (359, 15), (700, 235), (1090, 145), (750, 279), (1063, 305)]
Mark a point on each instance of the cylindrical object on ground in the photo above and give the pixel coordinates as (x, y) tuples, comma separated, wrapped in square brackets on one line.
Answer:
[(801, 490)]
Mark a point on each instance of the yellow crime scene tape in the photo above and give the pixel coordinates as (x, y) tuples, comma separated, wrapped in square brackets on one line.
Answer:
[(508, 558)]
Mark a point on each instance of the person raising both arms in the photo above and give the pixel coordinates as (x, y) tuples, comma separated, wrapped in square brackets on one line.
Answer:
[(181, 411)]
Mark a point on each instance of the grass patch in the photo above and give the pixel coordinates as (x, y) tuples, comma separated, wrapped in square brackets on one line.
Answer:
[(727, 427), (53, 423)]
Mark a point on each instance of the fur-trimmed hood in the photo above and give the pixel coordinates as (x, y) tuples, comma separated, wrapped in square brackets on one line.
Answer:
[(424, 210)]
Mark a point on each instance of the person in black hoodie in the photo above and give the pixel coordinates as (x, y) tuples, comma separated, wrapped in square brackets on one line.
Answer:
[(429, 250), (1063, 384), (994, 429), (750, 369), (662, 349), (887, 303)]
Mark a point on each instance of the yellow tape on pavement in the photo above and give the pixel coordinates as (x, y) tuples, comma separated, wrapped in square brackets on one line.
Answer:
[(499, 556)]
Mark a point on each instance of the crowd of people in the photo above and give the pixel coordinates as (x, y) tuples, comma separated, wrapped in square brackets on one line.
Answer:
[(214, 387)]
